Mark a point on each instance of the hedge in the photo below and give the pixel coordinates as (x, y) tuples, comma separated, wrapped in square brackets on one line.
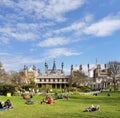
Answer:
[(4, 89)]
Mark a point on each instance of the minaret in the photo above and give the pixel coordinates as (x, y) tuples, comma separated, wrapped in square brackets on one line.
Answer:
[(96, 62), (26, 74), (46, 68), (62, 65), (80, 68), (34, 70), (71, 73), (54, 67), (25, 70), (38, 72), (34, 67), (105, 67), (88, 66), (71, 70)]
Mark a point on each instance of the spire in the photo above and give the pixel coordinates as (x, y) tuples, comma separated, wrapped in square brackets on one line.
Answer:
[(71, 67), (71, 70), (25, 67), (46, 67), (80, 67), (105, 66), (34, 67), (96, 61), (62, 65), (54, 67), (88, 66)]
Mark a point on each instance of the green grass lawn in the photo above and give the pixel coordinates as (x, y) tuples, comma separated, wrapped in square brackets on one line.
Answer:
[(72, 108)]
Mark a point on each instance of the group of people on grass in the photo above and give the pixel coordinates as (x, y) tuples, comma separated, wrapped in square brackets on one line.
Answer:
[(61, 96), (6, 105), (47, 100), (29, 99)]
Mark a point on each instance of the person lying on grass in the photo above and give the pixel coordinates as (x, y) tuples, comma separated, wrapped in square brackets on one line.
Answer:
[(92, 108), (43, 101)]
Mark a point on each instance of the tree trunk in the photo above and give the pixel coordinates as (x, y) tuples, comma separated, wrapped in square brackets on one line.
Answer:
[(114, 82)]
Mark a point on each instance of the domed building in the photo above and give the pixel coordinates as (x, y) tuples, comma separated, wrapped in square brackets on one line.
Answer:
[(53, 77)]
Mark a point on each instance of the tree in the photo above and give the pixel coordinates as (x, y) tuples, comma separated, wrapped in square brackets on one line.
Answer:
[(3, 74), (78, 78), (11, 77), (17, 77), (114, 71)]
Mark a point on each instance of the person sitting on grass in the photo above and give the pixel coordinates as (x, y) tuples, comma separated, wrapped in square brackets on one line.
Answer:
[(7, 105), (30, 100), (25, 96), (50, 101), (1, 106)]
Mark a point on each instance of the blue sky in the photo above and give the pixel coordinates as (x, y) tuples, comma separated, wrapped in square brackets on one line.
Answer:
[(70, 31)]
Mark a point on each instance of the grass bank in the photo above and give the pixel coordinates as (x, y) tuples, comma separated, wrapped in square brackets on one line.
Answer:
[(72, 108)]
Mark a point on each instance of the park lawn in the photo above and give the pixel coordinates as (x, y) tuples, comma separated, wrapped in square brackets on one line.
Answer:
[(72, 108)]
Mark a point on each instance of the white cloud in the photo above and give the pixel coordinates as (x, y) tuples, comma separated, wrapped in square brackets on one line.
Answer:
[(15, 62), (20, 32), (24, 22), (56, 9), (58, 52), (56, 41), (49, 9), (73, 27), (105, 27), (24, 36), (76, 27)]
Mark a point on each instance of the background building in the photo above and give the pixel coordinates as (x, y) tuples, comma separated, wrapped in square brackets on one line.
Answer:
[(98, 77)]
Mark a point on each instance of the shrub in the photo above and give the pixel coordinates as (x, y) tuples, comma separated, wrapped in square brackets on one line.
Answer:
[(4, 89), (85, 89)]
